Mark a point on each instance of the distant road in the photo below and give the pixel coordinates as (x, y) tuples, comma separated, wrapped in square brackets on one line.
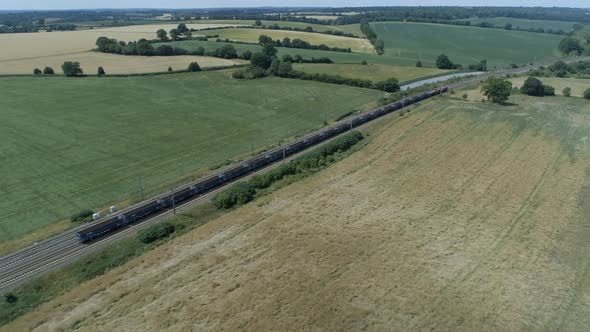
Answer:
[(59, 250)]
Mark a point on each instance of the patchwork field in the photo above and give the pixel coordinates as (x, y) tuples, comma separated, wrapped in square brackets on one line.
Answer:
[(370, 72), (465, 45), (458, 216), (524, 24), (112, 63), (18, 46), (337, 57), (251, 35), (73, 144)]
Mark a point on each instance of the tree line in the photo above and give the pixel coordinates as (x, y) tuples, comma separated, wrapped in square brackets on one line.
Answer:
[(378, 44), (308, 29), (298, 43)]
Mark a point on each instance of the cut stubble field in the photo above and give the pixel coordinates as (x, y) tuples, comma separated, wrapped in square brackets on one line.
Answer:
[(75, 144), (457, 216)]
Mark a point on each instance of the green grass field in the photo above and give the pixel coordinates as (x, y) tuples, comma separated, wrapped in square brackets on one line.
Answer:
[(337, 57), (465, 45), (74, 144), (523, 24), (251, 35), (370, 72)]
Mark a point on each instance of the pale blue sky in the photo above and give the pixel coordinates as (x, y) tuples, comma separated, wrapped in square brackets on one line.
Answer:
[(80, 4)]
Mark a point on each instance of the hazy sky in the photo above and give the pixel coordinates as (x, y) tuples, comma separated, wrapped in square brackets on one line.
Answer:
[(78, 4)]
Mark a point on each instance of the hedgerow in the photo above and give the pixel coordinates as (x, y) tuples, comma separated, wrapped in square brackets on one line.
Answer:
[(244, 192)]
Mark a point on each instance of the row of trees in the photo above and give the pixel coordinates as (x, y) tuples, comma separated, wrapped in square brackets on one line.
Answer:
[(180, 32), (570, 46), (378, 44), (298, 43), (69, 68), (275, 26), (498, 89)]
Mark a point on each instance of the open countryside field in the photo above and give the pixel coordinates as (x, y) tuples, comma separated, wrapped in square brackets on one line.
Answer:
[(112, 63), (458, 216), (251, 35), (74, 144), (577, 85), (465, 45), (524, 24), (370, 72), (337, 57), (18, 46)]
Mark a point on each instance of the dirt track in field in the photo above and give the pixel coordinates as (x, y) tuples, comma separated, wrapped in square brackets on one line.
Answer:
[(452, 218)]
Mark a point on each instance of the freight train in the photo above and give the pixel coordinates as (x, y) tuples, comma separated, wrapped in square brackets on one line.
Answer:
[(207, 184)]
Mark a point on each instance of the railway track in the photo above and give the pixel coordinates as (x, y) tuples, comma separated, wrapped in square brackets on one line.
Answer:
[(61, 249)]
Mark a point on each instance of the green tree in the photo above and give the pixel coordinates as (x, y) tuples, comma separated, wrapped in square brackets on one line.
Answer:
[(261, 60), (587, 94), (37, 71), (269, 50), (419, 64), (48, 71), (194, 67), (443, 62), (258, 23), (100, 71), (548, 90), (169, 69), (227, 51), (570, 45), (174, 34), (389, 85), (182, 28), (286, 42), (285, 68), (71, 68), (144, 47), (162, 35), (567, 92), (496, 89), (264, 39), (533, 87)]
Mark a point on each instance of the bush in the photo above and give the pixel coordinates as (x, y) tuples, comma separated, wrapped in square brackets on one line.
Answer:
[(419, 64), (169, 69), (364, 63), (37, 71), (567, 92), (548, 90), (100, 71), (194, 67), (83, 216), (443, 62), (155, 232), (48, 71), (587, 94), (10, 298), (238, 194), (465, 96), (389, 85), (533, 87)]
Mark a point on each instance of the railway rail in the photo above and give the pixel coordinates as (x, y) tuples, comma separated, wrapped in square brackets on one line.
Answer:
[(52, 253)]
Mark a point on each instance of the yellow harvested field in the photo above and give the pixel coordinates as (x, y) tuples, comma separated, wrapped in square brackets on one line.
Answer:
[(33, 45), (112, 63), (577, 85), (251, 35), (459, 216)]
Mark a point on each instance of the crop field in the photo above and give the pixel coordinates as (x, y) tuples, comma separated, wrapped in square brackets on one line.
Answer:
[(577, 85), (251, 35), (370, 72), (18, 46), (465, 45), (458, 216), (74, 144), (112, 63), (524, 24), (337, 57)]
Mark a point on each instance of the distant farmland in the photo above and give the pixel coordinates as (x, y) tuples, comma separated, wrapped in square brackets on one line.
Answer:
[(465, 45), (73, 144), (251, 35)]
